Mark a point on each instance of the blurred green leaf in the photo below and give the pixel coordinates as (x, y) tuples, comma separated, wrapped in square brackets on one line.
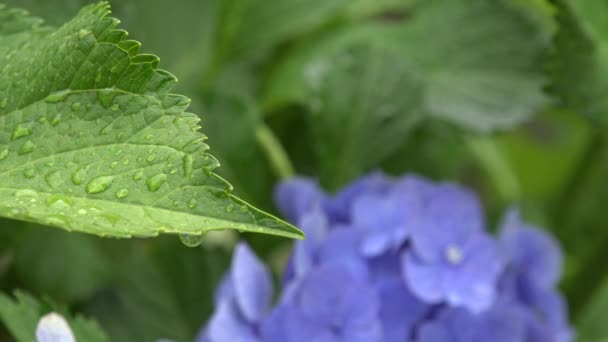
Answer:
[(22, 313), (163, 290), (591, 324), (363, 104), (232, 121), (70, 267), (580, 60), (579, 217), (480, 64), (251, 27)]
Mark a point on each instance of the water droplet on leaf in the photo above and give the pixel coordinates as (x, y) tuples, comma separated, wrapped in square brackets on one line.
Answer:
[(138, 175), (122, 193), (27, 147), (20, 131), (79, 176), (192, 240), (99, 184), (155, 182), (29, 173)]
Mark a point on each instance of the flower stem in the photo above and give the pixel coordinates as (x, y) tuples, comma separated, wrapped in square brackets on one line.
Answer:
[(277, 157)]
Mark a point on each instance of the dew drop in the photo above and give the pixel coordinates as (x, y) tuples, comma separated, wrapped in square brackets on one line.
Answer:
[(26, 193), (114, 164), (57, 97), (151, 157), (192, 203), (244, 209), (149, 137), (122, 193), (229, 208), (83, 33), (20, 131), (105, 97), (125, 162), (4, 154), (115, 108), (55, 220), (59, 202), (99, 184), (138, 175), (187, 164), (75, 106), (56, 120), (155, 182), (192, 240), (79, 176), (54, 179), (82, 211), (29, 173), (27, 147)]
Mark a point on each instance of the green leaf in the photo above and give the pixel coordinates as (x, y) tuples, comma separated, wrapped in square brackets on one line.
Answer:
[(580, 60), (92, 140), (249, 27), (363, 105), (480, 64), (21, 316), (162, 291), (75, 266), (591, 325)]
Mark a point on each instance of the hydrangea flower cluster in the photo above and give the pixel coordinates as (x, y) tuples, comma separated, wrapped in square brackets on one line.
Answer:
[(396, 260)]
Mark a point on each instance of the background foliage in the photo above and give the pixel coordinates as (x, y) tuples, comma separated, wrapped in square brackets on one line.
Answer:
[(506, 96)]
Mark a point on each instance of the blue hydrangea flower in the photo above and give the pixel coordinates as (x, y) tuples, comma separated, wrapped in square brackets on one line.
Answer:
[(328, 304), (241, 301), (396, 260)]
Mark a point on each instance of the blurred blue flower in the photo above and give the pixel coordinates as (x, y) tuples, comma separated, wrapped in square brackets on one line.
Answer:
[(328, 304), (501, 323), (534, 268), (241, 301), (396, 260)]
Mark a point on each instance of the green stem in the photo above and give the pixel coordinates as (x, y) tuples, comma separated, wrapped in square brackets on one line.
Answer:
[(278, 158), (496, 166)]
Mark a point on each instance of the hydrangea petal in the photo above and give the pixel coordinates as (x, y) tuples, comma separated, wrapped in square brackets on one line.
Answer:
[(340, 206), (342, 247), (473, 283), (450, 216), (400, 310), (297, 196), (531, 251), (424, 280), (227, 324), (252, 283), (499, 324)]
